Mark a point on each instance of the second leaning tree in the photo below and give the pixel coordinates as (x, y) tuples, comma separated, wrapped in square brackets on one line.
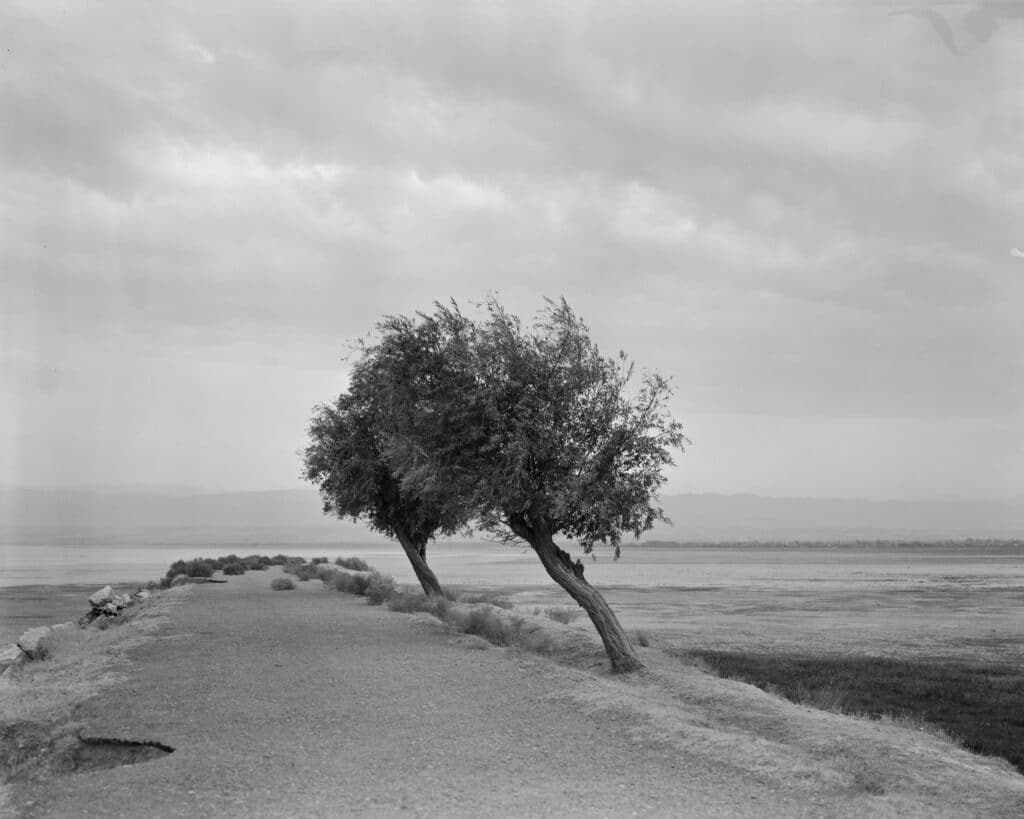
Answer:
[(533, 434)]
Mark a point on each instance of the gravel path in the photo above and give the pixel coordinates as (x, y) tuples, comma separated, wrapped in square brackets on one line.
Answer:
[(313, 703)]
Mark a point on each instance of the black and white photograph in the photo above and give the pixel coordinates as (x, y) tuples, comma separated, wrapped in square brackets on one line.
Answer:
[(477, 408)]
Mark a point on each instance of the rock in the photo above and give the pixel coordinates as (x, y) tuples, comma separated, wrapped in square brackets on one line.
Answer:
[(121, 600), (104, 595), (110, 609), (87, 618), (10, 656), (30, 641)]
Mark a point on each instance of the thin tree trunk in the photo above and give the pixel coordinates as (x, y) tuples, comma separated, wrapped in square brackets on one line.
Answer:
[(417, 557), (556, 562)]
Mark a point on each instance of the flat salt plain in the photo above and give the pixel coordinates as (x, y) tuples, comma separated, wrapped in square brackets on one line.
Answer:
[(957, 600)]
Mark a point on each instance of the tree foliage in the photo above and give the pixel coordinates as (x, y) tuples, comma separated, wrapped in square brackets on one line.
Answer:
[(537, 422)]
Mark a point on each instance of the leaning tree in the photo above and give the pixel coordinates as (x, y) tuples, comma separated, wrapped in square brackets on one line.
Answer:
[(534, 434), (349, 441)]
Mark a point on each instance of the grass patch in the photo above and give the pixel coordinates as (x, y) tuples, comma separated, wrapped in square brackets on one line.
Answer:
[(642, 638), (982, 706), (282, 584), (354, 564)]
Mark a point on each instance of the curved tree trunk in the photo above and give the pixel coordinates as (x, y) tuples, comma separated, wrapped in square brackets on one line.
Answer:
[(569, 576), (417, 553)]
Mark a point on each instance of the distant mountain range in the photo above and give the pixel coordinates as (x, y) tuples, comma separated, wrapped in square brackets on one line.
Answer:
[(84, 515)]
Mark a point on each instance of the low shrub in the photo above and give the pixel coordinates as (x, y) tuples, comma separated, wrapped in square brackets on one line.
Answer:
[(562, 615), (355, 564), (380, 588), (197, 567), (180, 580), (316, 561), (164, 583), (307, 571), (256, 563), (282, 584), (278, 560), (351, 583), (292, 564), (233, 568)]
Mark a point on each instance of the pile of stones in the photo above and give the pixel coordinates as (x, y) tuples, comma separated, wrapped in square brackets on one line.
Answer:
[(107, 603), (104, 603)]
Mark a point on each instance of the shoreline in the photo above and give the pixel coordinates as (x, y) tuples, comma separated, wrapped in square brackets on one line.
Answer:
[(39, 604)]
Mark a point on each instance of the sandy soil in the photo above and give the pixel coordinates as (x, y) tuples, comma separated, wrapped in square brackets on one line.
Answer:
[(311, 703)]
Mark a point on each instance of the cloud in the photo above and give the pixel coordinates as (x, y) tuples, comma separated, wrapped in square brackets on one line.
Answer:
[(792, 209)]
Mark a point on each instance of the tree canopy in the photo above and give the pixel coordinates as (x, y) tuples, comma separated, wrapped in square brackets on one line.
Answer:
[(538, 422)]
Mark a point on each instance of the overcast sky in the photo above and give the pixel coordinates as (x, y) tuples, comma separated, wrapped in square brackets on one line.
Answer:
[(804, 213)]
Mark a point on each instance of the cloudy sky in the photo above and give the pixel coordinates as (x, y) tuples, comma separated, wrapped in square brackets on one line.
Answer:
[(802, 212)]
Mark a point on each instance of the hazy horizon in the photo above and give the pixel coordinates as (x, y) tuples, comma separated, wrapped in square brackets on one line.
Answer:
[(808, 216), (170, 491)]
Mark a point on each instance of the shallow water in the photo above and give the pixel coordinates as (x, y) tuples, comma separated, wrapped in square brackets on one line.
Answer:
[(939, 600)]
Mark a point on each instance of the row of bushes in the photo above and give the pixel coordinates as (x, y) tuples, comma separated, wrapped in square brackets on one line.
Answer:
[(234, 565), (479, 614), (181, 571)]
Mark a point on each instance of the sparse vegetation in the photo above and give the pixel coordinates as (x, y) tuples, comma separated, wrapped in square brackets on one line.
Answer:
[(980, 705), (490, 598), (641, 637), (562, 615), (282, 584)]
